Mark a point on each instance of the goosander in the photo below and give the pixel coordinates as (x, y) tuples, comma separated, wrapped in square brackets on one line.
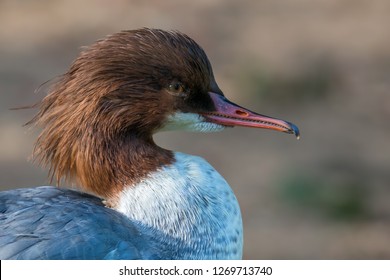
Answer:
[(134, 200)]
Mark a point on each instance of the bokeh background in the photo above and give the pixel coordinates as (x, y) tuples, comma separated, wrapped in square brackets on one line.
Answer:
[(323, 64)]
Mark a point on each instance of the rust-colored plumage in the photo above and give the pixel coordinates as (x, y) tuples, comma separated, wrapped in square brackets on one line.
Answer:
[(96, 129)]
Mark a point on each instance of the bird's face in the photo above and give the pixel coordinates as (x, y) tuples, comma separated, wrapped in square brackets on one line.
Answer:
[(152, 80), (137, 83)]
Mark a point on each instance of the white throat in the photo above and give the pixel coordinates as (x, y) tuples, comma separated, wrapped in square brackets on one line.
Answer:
[(193, 208)]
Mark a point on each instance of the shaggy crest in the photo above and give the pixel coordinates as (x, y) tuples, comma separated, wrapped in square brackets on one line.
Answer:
[(96, 131)]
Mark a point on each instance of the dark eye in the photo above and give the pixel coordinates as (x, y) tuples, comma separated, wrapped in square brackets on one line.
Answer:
[(177, 88)]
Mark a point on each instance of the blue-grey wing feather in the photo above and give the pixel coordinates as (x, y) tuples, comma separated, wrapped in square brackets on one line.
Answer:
[(53, 223)]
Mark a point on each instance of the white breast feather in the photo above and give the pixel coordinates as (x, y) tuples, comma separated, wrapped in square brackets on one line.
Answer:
[(188, 201)]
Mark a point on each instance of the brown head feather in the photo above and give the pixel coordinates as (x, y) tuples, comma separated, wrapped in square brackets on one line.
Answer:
[(98, 119)]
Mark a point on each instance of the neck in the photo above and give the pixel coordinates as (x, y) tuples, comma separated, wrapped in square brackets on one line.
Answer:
[(189, 207), (109, 166)]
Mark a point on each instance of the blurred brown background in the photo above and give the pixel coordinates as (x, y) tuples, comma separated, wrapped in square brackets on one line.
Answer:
[(324, 65)]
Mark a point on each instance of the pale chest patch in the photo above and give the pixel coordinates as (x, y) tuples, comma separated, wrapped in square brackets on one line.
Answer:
[(191, 205)]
